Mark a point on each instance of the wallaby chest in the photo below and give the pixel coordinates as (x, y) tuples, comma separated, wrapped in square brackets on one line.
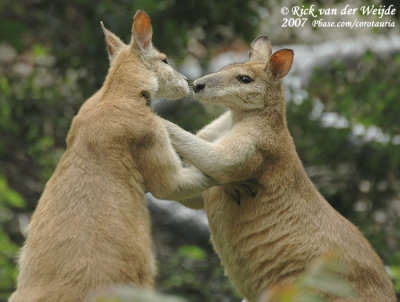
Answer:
[(234, 229)]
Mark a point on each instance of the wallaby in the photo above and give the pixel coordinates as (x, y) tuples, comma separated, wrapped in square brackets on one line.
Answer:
[(91, 228), (272, 236)]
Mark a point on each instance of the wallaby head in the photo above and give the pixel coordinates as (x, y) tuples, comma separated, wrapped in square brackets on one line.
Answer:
[(250, 85), (140, 63)]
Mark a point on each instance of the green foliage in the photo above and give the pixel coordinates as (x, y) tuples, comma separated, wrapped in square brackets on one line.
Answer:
[(12, 32), (8, 197), (9, 200), (192, 252), (194, 274), (360, 96), (395, 272), (37, 104), (179, 16)]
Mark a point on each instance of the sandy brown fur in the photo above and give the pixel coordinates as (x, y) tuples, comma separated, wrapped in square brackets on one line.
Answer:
[(273, 236), (91, 228)]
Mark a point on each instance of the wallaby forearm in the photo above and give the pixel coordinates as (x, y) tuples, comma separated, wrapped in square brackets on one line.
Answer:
[(225, 163), (215, 128), (196, 150), (185, 183), (208, 133)]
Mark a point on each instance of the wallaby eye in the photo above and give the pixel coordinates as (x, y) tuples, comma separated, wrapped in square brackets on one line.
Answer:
[(165, 61), (245, 79)]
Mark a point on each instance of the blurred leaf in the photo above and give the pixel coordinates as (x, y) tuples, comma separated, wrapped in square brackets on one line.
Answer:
[(193, 252), (12, 31), (9, 197), (395, 272), (38, 50)]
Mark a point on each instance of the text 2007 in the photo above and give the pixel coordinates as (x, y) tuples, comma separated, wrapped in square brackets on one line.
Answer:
[(294, 22)]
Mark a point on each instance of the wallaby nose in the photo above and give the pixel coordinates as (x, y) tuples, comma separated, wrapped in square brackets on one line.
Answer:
[(198, 87)]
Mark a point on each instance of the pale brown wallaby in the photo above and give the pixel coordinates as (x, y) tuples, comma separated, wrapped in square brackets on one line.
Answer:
[(91, 227), (272, 236)]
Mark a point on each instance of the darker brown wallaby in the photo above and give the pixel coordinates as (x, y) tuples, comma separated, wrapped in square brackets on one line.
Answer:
[(91, 228), (272, 237)]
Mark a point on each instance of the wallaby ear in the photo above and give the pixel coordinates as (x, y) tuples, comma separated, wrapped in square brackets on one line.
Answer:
[(280, 63), (141, 30), (260, 49), (114, 44)]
